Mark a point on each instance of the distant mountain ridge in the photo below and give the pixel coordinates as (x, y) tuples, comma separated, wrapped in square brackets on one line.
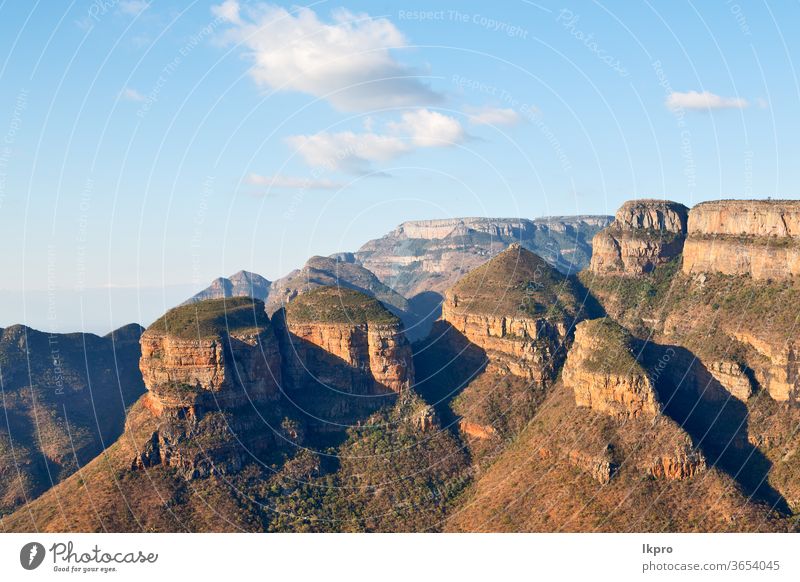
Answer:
[(519, 227), (430, 255), (420, 259), (340, 269), (240, 284)]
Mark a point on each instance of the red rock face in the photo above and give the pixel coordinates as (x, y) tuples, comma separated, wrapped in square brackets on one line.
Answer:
[(656, 215), (618, 252), (624, 393), (390, 360), (677, 466), (203, 392), (220, 365), (732, 377), (758, 218), (167, 360), (761, 258), (617, 395), (475, 430), (782, 377), (744, 237), (523, 346), (380, 353), (622, 389)]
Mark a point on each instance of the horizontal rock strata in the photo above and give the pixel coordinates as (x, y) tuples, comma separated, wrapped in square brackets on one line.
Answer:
[(644, 234), (605, 376), (757, 238), (205, 390)]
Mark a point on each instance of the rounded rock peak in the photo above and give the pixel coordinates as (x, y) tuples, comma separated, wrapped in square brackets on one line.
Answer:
[(515, 282), (331, 304), (652, 214)]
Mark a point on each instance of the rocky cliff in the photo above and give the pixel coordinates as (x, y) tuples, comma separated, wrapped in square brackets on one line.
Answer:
[(740, 328), (757, 238), (721, 340), (315, 421), (207, 366), (603, 372), (217, 445), (502, 338), (431, 255), (605, 375), (777, 369), (644, 234), (756, 218), (343, 354)]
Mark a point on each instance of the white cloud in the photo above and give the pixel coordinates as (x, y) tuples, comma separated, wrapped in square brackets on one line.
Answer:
[(492, 116), (133, 7), (704, 101), (428, 128), (228, 10), (129, 94), (281, 181), (354, 152), (348, 62)]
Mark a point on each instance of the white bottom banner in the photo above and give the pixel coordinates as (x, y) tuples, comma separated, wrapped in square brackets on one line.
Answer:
[(419, 557)]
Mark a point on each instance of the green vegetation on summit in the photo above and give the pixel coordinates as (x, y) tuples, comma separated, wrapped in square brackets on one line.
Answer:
[(517, 281), (212, 317), (338, 305), (611, 351)]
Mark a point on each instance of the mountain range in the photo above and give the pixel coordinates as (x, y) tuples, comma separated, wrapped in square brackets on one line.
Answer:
[(634, 373), (410, 268)]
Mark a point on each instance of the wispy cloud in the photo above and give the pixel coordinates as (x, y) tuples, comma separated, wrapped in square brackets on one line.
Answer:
[(704, 101), (130, 94), (355, 152), (428, 128), (228, 11), (133, 7), (492, 116), (281, 181), (348, 61)]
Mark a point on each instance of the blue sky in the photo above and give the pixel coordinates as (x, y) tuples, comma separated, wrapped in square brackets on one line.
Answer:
[(148, 148)]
